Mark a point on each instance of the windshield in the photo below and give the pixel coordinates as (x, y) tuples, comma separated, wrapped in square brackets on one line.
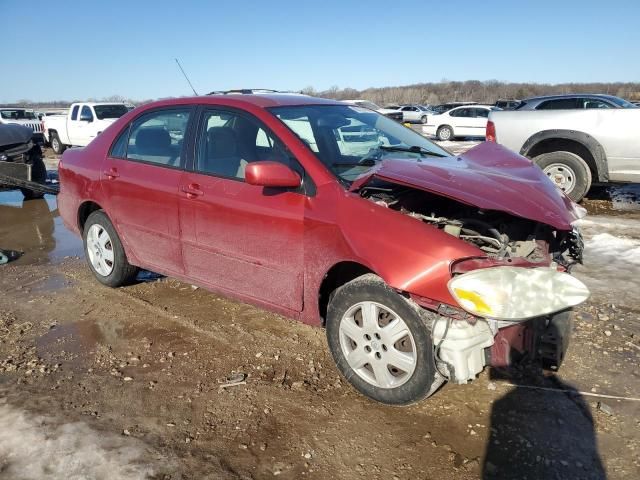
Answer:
[(350, 140), (621, 102), (110, 111), (17, 114)]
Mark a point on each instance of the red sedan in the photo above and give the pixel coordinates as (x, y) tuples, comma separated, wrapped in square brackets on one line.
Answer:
[(422, 266)]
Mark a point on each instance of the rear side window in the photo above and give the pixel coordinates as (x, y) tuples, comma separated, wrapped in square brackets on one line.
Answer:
[(119, 148), (74, 112), (481, 112), (157, 137)]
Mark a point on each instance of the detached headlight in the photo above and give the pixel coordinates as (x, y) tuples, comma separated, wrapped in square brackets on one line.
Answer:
[(516, 293)]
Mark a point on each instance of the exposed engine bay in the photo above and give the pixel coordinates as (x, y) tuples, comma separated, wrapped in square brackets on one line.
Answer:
[(498, 234)]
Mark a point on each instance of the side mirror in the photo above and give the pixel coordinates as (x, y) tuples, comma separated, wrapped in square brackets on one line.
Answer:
[(271, 174)]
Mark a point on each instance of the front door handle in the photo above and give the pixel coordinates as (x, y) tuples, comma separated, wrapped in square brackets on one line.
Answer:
[(112, 173), (192, 190)]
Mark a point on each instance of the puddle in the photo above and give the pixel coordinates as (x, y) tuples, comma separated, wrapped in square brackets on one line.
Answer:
[(76, 340), (613, 200), (35, 228)]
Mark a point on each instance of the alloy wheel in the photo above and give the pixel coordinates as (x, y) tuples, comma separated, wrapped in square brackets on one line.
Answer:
[(100, 250)]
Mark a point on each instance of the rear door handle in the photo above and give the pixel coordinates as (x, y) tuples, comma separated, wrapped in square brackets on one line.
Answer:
[(111, 174), (192, 190)]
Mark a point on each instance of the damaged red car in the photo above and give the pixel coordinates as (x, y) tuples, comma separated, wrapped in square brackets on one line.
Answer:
[(423, 266)]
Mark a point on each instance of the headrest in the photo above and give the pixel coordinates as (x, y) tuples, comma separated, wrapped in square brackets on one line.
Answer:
[(153, 140), (222, 142)]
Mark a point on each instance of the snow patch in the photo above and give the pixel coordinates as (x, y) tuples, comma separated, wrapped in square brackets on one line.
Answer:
[(610, 248), (35, 447)]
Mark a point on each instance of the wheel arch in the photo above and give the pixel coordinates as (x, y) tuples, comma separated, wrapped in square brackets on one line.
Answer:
[(336, 276), (86, 208), (579, 143)]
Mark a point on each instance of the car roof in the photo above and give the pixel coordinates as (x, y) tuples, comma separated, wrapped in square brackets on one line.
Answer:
[(569, 95), (257, 100)]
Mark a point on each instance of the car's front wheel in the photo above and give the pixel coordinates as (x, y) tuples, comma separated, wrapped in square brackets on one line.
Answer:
[(381, 343), (57, 146), (104, 252)]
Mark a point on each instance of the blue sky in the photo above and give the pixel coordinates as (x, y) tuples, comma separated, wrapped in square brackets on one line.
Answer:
[(79, 49)]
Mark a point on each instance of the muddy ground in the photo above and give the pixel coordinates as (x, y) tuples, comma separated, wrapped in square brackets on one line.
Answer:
[(130, 383)]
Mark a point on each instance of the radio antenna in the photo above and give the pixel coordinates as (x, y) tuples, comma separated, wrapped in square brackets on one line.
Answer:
[(187, 78)]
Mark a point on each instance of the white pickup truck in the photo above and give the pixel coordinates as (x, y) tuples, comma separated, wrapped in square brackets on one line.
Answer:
[(81, 124), (597, 140)]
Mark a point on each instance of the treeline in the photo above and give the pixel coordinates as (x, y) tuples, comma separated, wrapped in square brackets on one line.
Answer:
[(473, 90), (425, 93)]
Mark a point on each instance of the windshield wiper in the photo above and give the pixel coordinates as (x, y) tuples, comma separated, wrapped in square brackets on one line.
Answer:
[(412, 149), (365, 162)]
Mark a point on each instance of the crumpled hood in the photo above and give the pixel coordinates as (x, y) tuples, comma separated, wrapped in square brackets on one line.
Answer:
[(489, 177)]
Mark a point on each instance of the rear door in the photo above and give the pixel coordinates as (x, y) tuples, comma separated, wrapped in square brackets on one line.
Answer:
[(237, 237), (140, 181)]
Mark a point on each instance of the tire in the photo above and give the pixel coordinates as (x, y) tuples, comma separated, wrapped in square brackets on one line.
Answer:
[(423, 119), (567, 171), (38, 173), (445, 133), (383, 382), (111, 269), (56, 145)]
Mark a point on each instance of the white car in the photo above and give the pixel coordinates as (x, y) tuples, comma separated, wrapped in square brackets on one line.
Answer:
[(82, 124), (387, 112), (415, 113), (465, 121)]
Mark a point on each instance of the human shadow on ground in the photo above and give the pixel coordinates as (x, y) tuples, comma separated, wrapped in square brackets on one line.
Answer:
[(541, 434)]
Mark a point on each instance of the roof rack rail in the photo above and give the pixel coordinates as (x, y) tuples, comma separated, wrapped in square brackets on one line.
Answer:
[(246, 91)]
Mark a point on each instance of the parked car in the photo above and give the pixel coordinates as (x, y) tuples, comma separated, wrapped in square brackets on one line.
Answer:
[(387, 112), (573, 102), (50, 113), (20, 158), (507, 104), (575, 147), (83, 123), (637, 104), (466, 121), (24, 117), (415, 113), (445, 107), (422, 266)]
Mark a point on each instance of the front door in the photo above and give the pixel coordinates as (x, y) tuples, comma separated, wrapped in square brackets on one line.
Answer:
[(140, 181), (241, 238)]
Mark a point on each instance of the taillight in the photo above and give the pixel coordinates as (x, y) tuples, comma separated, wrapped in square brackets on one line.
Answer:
[(491, 131)]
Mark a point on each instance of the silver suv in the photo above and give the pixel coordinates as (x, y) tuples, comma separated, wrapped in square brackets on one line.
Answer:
[(573, 102)]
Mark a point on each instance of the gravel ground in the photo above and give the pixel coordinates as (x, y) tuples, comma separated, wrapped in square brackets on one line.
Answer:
[(130, 383)]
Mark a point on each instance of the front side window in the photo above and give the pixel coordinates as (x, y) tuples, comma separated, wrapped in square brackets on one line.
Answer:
[(229, 141), (593, 103), (85, 114), (350, 140), (482, 112), (157, 137)]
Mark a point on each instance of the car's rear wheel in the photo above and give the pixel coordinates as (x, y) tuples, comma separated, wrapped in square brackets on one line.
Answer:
[(380, 342), (423, 119), (445, 133), (57, 146), (567, 171), (104, 252)]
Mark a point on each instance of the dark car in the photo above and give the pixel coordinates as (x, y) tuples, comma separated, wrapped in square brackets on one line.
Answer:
[(20, 159), (445, 107), (421, 265)]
